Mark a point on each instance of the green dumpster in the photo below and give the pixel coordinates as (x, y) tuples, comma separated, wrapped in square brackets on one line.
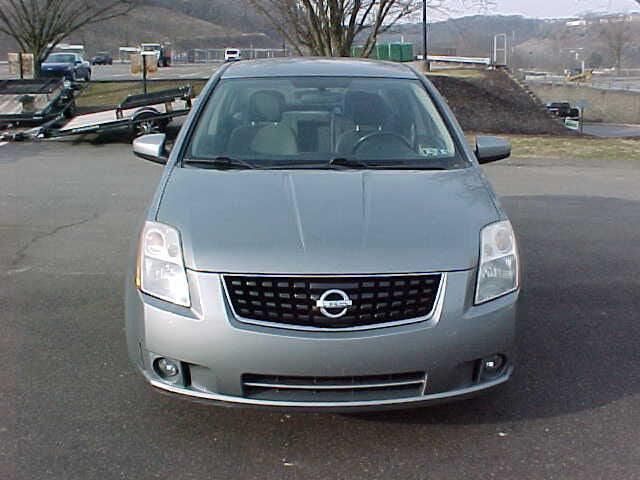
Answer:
[(383, 51), (356, 50), (407, 52), (395, 52)]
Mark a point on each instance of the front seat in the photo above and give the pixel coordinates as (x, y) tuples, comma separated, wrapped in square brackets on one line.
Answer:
[(265, 134), (367, 113)]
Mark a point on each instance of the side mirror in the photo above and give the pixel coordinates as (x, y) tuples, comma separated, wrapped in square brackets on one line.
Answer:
[(151, 147), (492, 149)]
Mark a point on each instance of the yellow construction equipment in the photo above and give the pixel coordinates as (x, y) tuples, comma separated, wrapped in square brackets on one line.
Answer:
[(580, 77)]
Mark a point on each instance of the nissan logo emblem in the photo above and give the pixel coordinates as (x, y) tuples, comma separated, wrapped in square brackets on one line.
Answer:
[(334, 303)]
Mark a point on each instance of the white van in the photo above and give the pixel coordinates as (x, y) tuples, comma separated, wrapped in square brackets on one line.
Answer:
[(231, 55)]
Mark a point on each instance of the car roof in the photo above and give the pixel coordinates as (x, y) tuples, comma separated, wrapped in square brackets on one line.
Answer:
[(62, 53), (317, 67)]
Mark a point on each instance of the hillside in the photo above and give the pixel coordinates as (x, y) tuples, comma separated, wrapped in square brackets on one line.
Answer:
[(472, 35), (237, 14), (154, 23), (220, 23), (544, 44)]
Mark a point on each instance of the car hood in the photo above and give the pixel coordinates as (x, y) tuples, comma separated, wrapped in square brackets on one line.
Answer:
[(327, 222), (56, 66)]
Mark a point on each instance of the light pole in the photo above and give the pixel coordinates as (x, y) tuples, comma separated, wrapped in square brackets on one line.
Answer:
[(427, 67)]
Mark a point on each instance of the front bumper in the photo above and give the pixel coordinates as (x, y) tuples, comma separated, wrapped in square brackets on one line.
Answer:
[(218, 351), (66, 74), (399, 403)]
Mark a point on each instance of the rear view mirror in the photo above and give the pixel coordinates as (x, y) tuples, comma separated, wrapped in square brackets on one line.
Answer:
[(492, 149), (151, 147)]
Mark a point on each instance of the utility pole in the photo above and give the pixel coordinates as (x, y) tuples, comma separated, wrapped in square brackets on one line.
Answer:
[(284, 45), (144, 71), (427, 66)]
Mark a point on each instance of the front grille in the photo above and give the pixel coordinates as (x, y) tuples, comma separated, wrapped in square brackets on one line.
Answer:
[(333, 389), (52, 73), (292, 301)]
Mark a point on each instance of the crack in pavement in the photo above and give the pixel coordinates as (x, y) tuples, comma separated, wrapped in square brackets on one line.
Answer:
[(21, 253)]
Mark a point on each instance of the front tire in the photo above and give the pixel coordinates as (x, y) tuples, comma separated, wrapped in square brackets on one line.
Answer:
[(146, 122)]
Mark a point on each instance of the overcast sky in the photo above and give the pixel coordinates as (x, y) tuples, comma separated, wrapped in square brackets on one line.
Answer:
[(562, 8)]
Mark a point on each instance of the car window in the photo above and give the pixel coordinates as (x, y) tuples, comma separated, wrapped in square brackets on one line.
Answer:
[(272, 120), (61, 58)]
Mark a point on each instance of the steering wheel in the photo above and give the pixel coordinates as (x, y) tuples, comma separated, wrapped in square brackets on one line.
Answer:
[(392, 137)]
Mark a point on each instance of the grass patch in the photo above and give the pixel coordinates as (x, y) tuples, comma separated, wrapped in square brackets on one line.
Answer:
[(572, 147), (463, 73), (109, 94)]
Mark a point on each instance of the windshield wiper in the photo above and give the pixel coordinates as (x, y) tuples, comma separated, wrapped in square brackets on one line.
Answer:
[(222, 163), (349, 163), (353, 163), (230, 163), (407, 166)]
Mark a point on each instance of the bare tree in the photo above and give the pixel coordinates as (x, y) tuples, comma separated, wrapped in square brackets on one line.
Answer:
[(38, 26), (330, 27), (617, 36)]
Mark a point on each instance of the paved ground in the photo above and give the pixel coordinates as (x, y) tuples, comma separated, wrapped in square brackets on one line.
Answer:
[(122, 71), (72, 407), (612, 130)]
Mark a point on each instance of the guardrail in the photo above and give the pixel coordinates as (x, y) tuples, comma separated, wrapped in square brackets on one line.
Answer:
[(610, 84), (465, 60)]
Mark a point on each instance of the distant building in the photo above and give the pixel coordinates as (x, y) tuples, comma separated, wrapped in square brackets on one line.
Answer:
[(577, 23), (604, 19)]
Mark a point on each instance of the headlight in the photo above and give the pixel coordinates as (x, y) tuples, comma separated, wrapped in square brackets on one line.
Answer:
[(498, 269), (160, 270)]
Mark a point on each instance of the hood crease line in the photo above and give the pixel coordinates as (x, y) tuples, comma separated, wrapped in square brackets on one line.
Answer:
[(365, 210), (296, 209)]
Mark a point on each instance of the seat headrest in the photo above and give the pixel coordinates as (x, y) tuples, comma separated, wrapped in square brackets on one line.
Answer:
[(266, 106), (365, 108)]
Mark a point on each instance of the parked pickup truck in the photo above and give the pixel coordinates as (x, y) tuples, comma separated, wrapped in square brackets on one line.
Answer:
[(563, 109)]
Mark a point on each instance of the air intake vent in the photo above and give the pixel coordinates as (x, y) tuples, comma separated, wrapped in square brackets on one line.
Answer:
[(334, 389), (362, 301)]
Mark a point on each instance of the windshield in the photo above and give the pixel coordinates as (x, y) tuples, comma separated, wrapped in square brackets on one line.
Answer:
[(60, 58), (269, 121)]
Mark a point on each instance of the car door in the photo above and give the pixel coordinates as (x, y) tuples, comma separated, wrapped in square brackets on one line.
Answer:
[(81, 67)]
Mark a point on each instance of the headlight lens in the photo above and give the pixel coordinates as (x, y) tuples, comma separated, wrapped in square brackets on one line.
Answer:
[(498, 269), (160, 270)]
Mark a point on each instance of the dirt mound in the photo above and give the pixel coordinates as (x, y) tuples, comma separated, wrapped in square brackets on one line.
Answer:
[(491, 102)]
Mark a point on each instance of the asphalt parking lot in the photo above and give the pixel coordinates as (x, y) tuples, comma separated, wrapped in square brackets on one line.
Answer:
[(73, 408), (612, 130)]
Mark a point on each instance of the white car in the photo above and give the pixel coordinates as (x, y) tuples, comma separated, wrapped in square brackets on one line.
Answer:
[(232, 55)]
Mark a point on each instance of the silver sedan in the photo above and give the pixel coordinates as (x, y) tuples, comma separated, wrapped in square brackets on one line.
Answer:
[(323, 238)]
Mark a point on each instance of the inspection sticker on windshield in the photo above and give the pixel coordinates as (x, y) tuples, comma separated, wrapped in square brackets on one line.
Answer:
[(427, 151)]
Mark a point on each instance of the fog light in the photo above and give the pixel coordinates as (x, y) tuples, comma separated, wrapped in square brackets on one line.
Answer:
[(166, 368), (493, 364)]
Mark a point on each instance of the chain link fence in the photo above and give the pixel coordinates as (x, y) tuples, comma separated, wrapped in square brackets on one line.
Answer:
[(215, 55)]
